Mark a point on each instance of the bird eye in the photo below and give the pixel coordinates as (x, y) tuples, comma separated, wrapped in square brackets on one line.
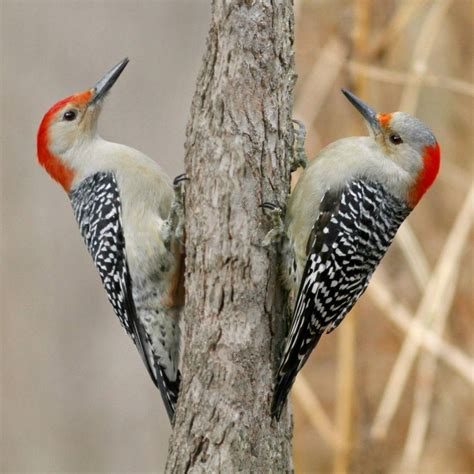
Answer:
[(70, 115), (396, 139)]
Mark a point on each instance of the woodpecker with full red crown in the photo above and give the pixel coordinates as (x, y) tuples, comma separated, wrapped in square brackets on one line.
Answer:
[(341, 218), (130, 216)]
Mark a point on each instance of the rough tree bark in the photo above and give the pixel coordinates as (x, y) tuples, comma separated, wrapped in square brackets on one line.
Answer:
[(237, 147)]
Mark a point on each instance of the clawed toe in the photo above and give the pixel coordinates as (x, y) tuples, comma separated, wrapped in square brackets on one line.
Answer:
[(278, 230), (298, 153), (179, 179), (270, 206)]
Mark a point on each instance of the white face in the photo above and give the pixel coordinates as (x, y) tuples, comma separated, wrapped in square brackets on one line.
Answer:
[(71, 126), (404, 139)]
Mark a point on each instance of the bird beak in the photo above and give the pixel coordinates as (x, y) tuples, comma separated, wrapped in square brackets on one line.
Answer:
[(367, 112), (104, 85)]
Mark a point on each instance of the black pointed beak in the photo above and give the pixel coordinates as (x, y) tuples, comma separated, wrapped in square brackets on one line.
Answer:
[(104, 85), (367, 112)]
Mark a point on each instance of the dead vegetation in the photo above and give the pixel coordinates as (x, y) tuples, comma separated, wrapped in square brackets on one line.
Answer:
[(392, 389)]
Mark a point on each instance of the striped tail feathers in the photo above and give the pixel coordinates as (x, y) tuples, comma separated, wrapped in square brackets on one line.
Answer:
[(169, 389), (289, 368), (282, 389)]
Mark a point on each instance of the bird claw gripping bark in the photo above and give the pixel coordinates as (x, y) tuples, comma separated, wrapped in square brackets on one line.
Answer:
[(299, 157), (277, 232), (175, 221)]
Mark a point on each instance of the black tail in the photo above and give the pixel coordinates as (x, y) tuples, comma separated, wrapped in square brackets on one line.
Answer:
[(169, 390), (282, 389), (287, 373)]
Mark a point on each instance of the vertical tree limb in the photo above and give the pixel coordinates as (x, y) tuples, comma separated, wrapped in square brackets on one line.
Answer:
[(237, 145)]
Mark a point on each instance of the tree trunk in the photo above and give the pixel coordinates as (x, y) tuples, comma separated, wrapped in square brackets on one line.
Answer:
[(237, 156)]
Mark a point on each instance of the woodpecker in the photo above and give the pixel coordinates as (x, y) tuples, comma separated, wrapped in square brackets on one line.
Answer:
[(340, 220), (130, 217)]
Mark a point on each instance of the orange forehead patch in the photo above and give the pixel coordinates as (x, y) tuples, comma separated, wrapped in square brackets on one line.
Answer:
[(79, 99), (384, 119)]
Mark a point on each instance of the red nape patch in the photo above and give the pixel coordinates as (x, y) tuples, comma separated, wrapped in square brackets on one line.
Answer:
[(431, 162), (384, 119), (53, 165)]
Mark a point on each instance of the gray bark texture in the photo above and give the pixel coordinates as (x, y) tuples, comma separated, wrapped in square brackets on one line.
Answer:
[(237, 156)]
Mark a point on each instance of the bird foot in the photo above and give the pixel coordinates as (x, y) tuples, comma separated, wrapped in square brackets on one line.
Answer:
[(277, 232), (298, 154), (175, 221)]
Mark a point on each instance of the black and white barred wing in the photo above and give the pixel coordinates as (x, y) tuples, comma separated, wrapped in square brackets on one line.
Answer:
[(97, 208), (351, 235)]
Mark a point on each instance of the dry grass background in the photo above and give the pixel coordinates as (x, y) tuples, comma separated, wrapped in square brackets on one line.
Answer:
[(391, 390)]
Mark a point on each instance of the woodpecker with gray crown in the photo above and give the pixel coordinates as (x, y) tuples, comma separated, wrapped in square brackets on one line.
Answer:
[(130, 216), (341, 218)]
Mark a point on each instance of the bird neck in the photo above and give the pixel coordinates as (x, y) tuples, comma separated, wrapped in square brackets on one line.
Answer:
[(427, 175), (51, 163)]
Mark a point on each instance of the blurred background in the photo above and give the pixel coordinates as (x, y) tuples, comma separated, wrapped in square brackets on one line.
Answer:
[(74, 394), (370, 400)]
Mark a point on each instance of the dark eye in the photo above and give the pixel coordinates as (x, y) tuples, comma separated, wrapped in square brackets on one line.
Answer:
[(396, 139), (70, 115)]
